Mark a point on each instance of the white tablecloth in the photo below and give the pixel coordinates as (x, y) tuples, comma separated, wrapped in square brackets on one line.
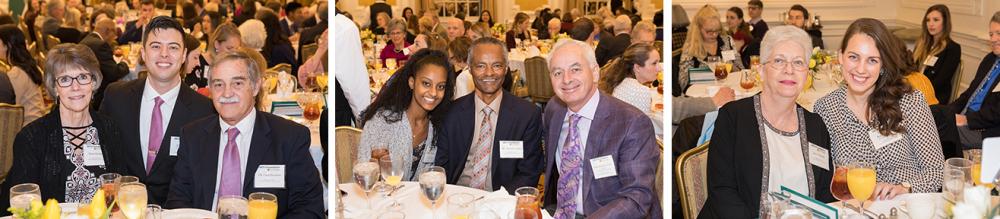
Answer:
[(415, 205), (885, 206), (822, 86), (516, 57)]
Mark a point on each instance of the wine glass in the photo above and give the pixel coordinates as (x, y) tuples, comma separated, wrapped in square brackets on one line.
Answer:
[(432, 183), (711, 61), (460, 205), (154, 211), (838, 186), (527, 203), (392, 174), (231, 206), (132, 199), (21, 195), (754, 62), (262, 206), (365, 175), (322, 80), (861, 181)]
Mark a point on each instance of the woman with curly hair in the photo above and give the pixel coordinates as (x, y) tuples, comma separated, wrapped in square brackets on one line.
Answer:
[(403, 116), (878, 118)]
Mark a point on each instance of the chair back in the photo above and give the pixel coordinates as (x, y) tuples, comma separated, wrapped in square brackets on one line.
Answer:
[(51, 41), (24, 29), (282, 67), (346, 145), (956, 80), (692, 184), (11, 120), (537, 73), (308, 51)]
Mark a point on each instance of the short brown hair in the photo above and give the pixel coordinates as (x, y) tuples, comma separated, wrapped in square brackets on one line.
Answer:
[(69, 56)]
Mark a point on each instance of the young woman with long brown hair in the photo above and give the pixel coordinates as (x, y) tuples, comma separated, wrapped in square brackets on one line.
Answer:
[(936, 54)]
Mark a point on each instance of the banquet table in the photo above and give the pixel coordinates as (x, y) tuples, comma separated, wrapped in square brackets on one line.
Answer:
[(415, 205), (823, 84), (884, 207)]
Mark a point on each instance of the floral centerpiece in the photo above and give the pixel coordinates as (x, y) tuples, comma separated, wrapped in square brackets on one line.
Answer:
[(51, 210), (499, 29), (975, 204), (819, 58), (367, 35), (560, 36)]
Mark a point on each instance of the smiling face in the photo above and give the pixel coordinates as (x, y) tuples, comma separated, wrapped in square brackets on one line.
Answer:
[(574, 79), (232, 90), (861, 62), (935, 23), (786, 70), (75, 97), (163, 54), (428, 84), (486, 16), (796, 18), (647, 72), (455, 28), (488, 68)]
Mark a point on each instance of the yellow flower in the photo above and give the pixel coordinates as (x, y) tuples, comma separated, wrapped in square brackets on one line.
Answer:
[(52, 210), (812, 63)]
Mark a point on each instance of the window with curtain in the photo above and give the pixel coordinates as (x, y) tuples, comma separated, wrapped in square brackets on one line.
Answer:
[(449, 8), (590, 7)]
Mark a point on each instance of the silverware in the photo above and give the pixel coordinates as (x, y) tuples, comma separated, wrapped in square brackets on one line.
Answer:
[(477, 199), (395, 189), (866, 213)]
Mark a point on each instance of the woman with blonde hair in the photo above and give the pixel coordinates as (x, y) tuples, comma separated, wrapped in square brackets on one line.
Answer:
[(704, 40), (936, 54)]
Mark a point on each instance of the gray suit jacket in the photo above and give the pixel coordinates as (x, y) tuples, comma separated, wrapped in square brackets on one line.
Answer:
[(622, 132)]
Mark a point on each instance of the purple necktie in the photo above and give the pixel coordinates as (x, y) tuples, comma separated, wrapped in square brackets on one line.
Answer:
[(569, 174), (155, 135), (230, 180)]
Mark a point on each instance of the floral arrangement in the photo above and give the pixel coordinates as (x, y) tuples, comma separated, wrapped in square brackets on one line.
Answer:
[(499, 28), (975, 205), (367, 35), (819, 57), (560, 36), (51, 210)]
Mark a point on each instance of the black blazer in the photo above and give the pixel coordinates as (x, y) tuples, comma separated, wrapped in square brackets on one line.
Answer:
[(110, 70), (735, 162), (275, 141), (759, 29), (40, 159), (122, 102), (131, 34), (612, 47), (282, 53), (988, 116), (817, 38), (942, 73), (517, 120)]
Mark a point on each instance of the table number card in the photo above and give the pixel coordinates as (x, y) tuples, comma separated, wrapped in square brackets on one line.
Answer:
[(819, 209), (990, 159)]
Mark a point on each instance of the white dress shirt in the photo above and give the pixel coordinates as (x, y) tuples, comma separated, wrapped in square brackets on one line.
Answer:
[(349, 64), (242, 142), (148, 101), (467, 173), (464, 84), (583, 129)]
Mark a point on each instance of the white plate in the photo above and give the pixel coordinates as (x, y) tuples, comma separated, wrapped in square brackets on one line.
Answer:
[(188, 213)]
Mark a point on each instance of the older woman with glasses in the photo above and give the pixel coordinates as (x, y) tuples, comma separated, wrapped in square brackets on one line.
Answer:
[(66, 150), (397, 48), (760, 143)]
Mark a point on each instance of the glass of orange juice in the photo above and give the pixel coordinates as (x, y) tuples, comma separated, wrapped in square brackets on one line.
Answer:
[(861, 181), (262, 205)]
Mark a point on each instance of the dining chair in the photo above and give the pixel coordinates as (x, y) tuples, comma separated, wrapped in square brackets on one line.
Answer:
[(347, 140), (956, 80), (11, 119), (537, 73), (692, 186), (308, 51), (282, 67)]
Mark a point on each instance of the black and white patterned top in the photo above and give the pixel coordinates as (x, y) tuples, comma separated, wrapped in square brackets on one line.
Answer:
[(82, 182), (916, 158)]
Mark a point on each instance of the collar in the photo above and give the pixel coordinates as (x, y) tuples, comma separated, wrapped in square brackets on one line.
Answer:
[(149, 93), (245, 125), (98, 35), (495, 105), (590, 109)]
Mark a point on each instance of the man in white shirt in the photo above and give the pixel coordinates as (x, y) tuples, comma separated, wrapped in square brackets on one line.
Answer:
[(243, 150), (349, 63), (144, 108)]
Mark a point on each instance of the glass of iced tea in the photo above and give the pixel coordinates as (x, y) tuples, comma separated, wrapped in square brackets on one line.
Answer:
[(720, 71), (527, 203)]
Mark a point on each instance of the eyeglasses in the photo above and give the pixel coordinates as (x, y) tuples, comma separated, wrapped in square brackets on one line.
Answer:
[(66, 81), (396, 33), (779, 64)]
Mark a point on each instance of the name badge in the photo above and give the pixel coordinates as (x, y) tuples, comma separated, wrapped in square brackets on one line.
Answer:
[(92, 155), (931, 61), (175, 143), (603, 167), (728, 55), (819, 156), (269, 176), (880, 140), (512, 149)]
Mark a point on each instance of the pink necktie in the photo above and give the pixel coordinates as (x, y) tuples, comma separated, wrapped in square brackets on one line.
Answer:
[(230, 181), (155, 135), (482, 153)]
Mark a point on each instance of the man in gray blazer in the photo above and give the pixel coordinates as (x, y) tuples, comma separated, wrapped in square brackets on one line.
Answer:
[(602, 156)]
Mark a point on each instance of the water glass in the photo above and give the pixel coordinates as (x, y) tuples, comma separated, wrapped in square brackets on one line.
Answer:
[(954, 184), (132, 199), (961, 164), (460, 205), (21, 195), (232, 206), (154, 211)]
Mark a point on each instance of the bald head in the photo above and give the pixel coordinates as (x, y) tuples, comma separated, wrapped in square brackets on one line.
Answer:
[(554, 25), (455, 28), (622, 24)]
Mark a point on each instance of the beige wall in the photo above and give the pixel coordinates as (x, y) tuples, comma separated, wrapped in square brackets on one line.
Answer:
[(530, 5)]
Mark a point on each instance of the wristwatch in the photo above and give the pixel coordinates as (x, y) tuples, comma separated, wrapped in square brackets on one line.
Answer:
[(909, 188)]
